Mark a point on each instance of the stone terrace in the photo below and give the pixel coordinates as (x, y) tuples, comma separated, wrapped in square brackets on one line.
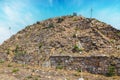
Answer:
[(93, 64)]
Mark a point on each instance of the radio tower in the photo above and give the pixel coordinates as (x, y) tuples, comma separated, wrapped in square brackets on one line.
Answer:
[(91, 12), (10, 31)]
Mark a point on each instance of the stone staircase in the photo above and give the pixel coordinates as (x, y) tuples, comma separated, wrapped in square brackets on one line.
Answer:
[(103, 36)]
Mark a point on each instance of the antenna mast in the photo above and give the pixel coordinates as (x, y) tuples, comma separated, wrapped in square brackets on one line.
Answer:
[(91, 12), (10, 30)]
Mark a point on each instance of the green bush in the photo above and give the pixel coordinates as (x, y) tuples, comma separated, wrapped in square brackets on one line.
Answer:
[(29, 77), (111, 71), (2, 61), (8, 51), (59, 67), (15, 70), (18, 51), (79, 70), (9, 65), (77, 49), (74, 35), (50, 25), (40, 45), (60, 20), (112, 41)]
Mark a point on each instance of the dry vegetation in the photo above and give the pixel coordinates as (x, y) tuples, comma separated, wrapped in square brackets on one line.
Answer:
[(13, 71)]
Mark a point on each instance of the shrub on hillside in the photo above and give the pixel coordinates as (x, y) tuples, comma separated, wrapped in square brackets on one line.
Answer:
[(51, 25), (111, 71), (60, 20), (77, 49), (18, 51), (59, 67)]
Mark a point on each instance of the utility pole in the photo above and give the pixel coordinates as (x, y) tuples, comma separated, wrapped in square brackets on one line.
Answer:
[(81, 75), (10, 31), (91, 12)]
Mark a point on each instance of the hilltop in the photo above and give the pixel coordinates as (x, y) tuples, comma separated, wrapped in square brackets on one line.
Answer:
[(66, 35)]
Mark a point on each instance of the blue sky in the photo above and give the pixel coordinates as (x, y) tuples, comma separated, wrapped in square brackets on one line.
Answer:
[(19, 13)]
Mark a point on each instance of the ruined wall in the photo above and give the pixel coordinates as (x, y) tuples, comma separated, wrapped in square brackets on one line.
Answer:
[(93, 64)]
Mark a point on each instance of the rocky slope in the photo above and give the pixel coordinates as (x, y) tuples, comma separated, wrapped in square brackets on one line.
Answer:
[(66, 35)]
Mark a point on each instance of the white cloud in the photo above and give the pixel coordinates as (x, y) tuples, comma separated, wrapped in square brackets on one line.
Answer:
[(15, 12), (4, 33), (110, 16), (17, 15)]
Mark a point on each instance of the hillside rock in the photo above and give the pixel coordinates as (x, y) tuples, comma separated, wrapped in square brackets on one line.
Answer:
[(60, 36)]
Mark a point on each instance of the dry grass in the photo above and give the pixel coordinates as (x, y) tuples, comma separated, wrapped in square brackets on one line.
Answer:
[(27, 72)]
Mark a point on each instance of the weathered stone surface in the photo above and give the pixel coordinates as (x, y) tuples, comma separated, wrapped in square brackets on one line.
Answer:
[(58, 36), (93, 64), (3, 56)]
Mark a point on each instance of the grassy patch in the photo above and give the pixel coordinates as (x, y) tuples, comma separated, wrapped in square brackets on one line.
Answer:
[(79, 70), (15, 70), (112, 41), (59, 67), (9, 65), (77, 49), (19, 51), (118, 33), (2, 61), (29, 77)]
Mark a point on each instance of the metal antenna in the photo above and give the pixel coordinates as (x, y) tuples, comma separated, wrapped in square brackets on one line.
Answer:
[(10, 30), (91, 12), (81, 75)]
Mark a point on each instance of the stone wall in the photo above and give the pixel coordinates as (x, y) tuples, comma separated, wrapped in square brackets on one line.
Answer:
[(93, 64)]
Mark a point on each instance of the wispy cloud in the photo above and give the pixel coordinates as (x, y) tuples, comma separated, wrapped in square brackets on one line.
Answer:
[(17, 15), (109, 15), (50, 2), (4, 33), (17, 12)]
